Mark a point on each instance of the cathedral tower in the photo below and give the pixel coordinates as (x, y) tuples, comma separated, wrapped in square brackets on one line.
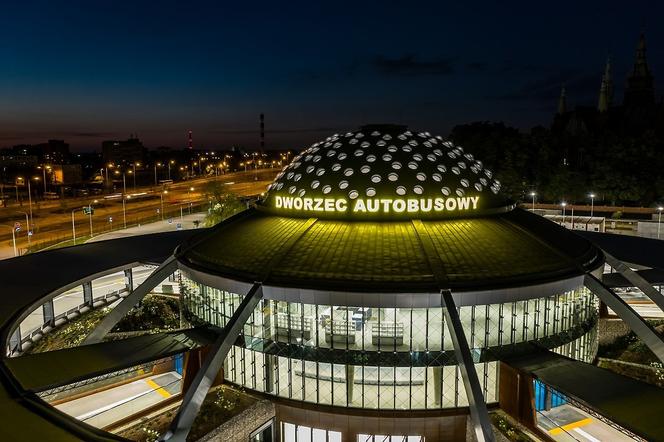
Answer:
[(640, 91)]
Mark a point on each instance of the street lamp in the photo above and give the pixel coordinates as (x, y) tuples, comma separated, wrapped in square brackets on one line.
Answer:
[(90, 214), (533, 195), (30, 196), (169, 168), (592, 203), (161, 195), (134, 166), (563, 204), (13, 238), (659, 219), (155, 172), (27, 226), (124, 195), (44, 168), (73, 226)]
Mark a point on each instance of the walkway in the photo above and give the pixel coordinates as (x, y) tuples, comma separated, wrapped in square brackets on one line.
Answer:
[(187, 222), (634, 405), (109, 406)]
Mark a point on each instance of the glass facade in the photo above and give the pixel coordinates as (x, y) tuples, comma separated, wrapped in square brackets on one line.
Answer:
[(386, 358)]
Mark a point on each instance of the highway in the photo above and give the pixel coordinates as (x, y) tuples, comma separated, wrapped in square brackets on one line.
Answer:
[(52, 219)]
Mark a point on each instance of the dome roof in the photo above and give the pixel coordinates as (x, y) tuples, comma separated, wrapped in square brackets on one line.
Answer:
[(364, 235), (385, 171)]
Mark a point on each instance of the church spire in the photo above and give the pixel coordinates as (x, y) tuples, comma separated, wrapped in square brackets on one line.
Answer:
[(640, 89), (609, 80), (562, 101), (606, 88), (641, 63)]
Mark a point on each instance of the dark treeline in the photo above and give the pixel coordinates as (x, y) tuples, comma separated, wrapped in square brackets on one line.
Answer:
[(619, 169)]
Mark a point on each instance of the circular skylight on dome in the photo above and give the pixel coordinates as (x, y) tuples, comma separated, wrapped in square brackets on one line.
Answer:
[(385, 164)]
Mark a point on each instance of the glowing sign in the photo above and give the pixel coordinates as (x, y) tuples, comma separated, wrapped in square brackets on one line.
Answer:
[(376, 205)]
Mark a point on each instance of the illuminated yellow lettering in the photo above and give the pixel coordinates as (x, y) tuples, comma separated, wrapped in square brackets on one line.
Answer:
[(376, 205), (463, 203)]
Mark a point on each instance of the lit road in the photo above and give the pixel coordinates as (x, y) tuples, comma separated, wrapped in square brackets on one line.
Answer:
[(52, 220), (108, 406)]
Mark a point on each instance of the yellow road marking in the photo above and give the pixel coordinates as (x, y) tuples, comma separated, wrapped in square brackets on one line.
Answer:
[(157, 388), (576, 424)]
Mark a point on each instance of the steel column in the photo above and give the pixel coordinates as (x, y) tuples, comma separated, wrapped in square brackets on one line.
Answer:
[(117, 313), (129, 279), (49, 312), (638, 325), (478, 412), (195, 394), (87, 293), (15, 340), (636, 279)]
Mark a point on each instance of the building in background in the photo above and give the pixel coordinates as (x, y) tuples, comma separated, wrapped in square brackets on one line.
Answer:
[(123, 152), (67, 174)]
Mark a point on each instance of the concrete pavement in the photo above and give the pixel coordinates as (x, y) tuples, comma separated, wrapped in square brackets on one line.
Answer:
[(170, 224), (568, 423), (109, 406)]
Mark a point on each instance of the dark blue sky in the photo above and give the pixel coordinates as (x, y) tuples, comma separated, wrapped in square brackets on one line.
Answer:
[(93, 70)]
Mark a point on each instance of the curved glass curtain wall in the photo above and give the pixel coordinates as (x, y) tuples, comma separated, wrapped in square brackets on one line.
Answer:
[(387, 358)]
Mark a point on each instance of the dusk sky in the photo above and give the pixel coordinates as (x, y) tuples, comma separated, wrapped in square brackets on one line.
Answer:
[(95, 70)]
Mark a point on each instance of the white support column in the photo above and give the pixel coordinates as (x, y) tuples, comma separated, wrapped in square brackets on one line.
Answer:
[(636, 279), (48, 310), (87, 293), (117, 313), (195, 394), (479, 414), (129, 279), (638, 325)]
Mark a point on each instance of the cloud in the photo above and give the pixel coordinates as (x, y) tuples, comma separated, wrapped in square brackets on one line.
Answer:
[(410, 65), (87, 134), (578, 84), (279, 131)]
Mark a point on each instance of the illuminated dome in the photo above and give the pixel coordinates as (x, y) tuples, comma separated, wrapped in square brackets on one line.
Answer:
[(388, 171)]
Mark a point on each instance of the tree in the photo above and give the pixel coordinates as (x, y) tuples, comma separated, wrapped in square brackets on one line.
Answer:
[(223, 204)]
